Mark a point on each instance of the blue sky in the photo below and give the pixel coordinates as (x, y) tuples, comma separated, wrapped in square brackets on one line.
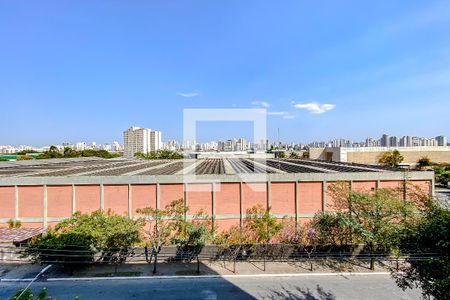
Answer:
[(87, 70)]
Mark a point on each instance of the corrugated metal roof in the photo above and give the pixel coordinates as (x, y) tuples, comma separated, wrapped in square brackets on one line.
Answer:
[(217, 166)]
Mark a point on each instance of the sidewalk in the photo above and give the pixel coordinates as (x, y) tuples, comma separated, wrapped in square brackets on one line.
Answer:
[(218, 268)]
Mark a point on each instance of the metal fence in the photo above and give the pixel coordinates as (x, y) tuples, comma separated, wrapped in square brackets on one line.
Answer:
[(250, 253)]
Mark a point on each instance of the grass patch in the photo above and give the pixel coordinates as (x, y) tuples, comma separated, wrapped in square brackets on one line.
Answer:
[(189, 272), (118, 274)]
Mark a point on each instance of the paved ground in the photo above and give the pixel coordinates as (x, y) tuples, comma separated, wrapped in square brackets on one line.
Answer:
[(314, 287), (15, 271)]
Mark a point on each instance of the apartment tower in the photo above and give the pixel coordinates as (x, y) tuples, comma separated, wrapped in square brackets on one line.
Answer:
[(142, 140)]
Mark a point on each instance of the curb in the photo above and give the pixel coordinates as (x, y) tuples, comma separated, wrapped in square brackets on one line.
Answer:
[(216, 276), (16, 279)]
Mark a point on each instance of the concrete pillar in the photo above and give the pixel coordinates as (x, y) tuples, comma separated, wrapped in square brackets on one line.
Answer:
[(16, 202), (241, 206), (213, 205), (102, 197), (74, 202), (186, 203), (130, 202), (324, 195), (378, 184), (268, 193), (296, 203), (44, 199), (158, 196)]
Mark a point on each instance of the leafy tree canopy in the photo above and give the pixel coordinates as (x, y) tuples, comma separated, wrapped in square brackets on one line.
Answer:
[(160, 154), (69, 152), (95, 232), (260, 225), (432, 235), (391, 158), (424, 162)]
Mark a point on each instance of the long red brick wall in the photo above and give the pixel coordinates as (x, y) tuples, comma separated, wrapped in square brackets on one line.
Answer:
[(41, 206)]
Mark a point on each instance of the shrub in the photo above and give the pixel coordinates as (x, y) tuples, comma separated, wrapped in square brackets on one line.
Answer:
[(77, 239), (424, 162), (14, 223)]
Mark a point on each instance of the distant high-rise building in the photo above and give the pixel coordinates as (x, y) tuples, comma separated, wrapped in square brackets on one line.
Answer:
[(384, 141), (406, 141), (80, 146), (415, 141), (116, 146), (393, 141), (155, 140), (142, 140), (441, 140), (242, 145)]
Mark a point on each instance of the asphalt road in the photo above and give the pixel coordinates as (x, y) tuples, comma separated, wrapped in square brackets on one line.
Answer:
[(323, 287)]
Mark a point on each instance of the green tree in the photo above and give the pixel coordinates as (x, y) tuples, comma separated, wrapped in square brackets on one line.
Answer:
[(332, 228), (25, 152), (260, 225), (53, 152), (424, 162), (375, 218), (231, 237), (294, 155), (160, 154), (76, 239), (431, 235), (280, 154), (53, 149), (198, 233), (164, 224), (391, 158), (442, 174), (69, 152)]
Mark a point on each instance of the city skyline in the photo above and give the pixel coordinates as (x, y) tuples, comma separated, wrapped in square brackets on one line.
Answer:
[(341, 69), (155, 142)]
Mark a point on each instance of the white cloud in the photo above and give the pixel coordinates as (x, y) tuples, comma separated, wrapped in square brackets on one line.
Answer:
[(261, 103), (276, 113), (283, 114), (315, 107), (187, 95)]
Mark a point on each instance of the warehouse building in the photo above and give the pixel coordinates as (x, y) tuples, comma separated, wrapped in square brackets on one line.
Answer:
[(41, 193), (371, 155)]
